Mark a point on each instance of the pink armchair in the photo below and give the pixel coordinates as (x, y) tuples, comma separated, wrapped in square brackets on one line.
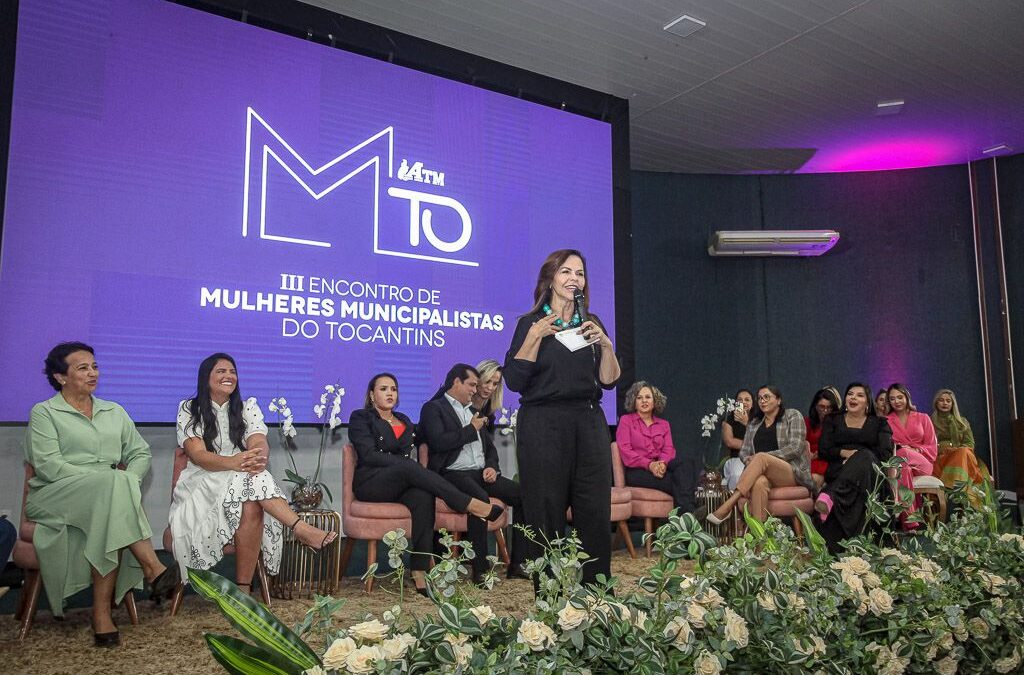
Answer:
[(368, 521), (648, 503)]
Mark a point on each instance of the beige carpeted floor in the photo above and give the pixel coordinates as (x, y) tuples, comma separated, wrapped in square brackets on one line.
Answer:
[(160, 644)]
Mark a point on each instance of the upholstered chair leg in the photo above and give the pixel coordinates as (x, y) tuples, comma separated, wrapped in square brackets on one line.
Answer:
[(499, 538), (129, 604), (371, 557), (346, 554), (179, 594), (798, 528), (19, 611), (624, 531), (648, 529), (261, 573), (33, 584), (457, 550)]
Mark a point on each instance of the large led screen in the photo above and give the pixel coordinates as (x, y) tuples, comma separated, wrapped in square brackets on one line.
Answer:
[(181, 183)]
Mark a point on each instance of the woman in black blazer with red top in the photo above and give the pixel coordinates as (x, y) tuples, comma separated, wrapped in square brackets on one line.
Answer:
[(387, 471)]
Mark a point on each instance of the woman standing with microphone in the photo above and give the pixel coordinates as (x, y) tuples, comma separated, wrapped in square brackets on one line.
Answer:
[(563, 442)]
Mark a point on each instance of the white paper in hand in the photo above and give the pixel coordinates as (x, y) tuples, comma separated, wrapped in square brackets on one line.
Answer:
[(573, 339)]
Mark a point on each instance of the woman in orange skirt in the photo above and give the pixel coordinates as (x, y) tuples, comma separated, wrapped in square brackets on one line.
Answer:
[(956, 462)]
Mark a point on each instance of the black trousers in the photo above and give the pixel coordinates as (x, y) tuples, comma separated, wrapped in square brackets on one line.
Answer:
[(472, 483), (849, 489), (415, 487), (564, 454), (680, 481)]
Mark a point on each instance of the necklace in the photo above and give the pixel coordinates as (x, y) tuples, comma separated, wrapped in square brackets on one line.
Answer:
[(562, 325)]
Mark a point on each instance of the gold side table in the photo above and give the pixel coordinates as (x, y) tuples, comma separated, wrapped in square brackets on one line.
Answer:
[(304, 572), (711, 494)]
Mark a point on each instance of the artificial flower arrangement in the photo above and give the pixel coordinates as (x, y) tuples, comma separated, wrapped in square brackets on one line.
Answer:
[(307, 491), (508, 420), (708, 423), (948, 602)]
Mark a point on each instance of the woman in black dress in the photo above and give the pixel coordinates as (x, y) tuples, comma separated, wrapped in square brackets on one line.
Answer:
[(564, 449), (852, 441), (386, 471)]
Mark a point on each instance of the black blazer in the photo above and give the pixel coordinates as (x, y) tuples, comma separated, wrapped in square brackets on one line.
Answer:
[(375, 443), (444, 435)]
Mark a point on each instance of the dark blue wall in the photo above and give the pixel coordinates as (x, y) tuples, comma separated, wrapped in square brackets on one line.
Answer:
[(895, 300)]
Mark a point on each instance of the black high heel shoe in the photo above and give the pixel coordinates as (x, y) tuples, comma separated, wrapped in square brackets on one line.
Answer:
[(111, 639), (495, 513), (107, 639), (328, 538), (164, 584)]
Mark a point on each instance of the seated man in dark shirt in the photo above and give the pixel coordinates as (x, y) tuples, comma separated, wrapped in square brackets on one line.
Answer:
[(463, 452)]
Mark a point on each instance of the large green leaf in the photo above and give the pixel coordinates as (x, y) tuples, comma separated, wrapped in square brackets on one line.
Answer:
[(814, 539), (755, 526), (241, 658), (252, 619)]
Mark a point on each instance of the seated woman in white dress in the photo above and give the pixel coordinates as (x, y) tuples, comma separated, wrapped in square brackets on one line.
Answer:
[(225, 493)]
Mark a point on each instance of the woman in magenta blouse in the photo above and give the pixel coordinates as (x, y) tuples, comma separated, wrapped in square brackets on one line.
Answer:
[(913, 434), (646, 449)]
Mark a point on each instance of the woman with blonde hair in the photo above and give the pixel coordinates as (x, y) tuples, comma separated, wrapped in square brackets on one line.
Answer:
[(956, 462), (490, 391)]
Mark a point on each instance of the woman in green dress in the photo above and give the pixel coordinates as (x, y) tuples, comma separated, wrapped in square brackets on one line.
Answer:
[(86, 497)]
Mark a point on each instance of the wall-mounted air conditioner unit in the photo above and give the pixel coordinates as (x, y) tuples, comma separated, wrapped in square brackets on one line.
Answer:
[(772, 242)]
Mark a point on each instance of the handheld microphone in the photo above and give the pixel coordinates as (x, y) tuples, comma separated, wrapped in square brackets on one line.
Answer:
[(581, 305), (581, 308)]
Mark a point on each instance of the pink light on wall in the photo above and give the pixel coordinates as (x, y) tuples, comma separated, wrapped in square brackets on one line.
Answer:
[(887, 154)]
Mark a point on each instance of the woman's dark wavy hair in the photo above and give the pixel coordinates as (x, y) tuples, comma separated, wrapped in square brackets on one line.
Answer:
[(867, 392), (200, 406), (757, 412), (812, 412), (57, 360), (368, 402)]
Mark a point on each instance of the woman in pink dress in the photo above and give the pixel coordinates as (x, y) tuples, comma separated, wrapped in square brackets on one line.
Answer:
[(914, 437)]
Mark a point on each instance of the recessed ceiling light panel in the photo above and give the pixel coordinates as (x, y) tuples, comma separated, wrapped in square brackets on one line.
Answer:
[(685, 25)]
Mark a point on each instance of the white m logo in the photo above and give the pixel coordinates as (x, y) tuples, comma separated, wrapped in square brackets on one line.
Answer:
[(319, 182)]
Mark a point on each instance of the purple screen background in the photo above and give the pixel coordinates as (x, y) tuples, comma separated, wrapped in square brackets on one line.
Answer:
[(125, 199)]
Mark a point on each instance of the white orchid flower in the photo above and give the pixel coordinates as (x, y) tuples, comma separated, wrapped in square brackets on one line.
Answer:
[(318, 410), (272, 407), (329, 388), (323, 398)]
